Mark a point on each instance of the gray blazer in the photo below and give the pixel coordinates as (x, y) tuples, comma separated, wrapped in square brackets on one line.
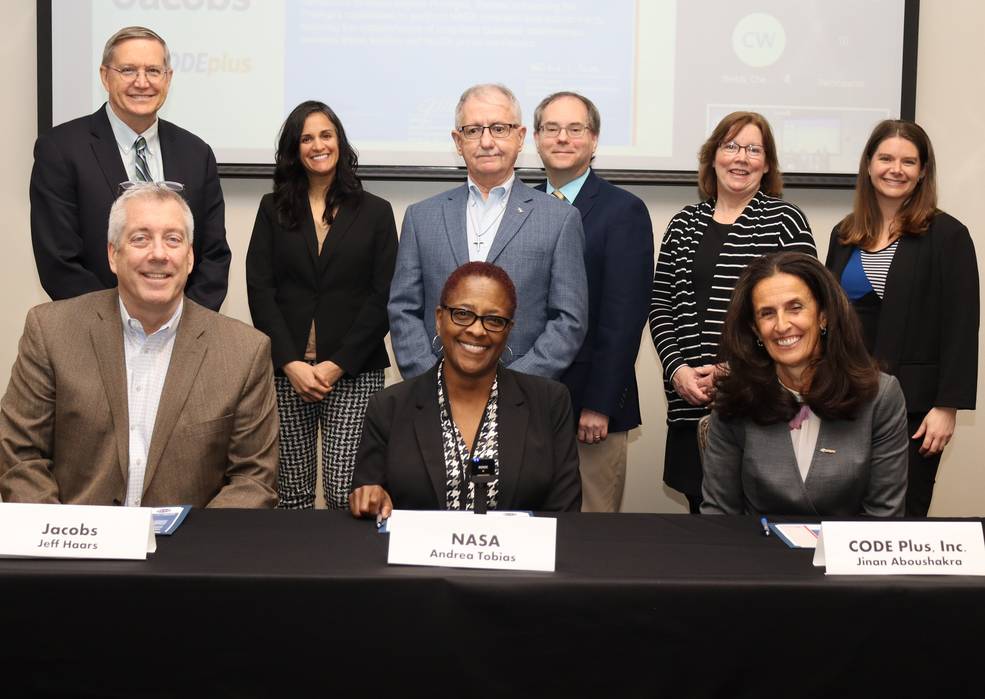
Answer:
[(540, 244), (859, 465)]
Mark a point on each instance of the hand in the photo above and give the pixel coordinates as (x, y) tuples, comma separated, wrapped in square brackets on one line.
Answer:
[(936, 429), (370, 500), (707, 375), (306, 383), (593, 427), (329, 373), (685, 382)]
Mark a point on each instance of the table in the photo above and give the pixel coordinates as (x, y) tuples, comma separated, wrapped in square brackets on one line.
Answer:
[(279, 603)]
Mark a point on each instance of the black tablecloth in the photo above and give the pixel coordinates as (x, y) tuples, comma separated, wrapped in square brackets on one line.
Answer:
[(249, 603)]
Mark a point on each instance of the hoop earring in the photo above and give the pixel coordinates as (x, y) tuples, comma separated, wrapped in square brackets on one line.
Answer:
[(824, 331), (511, 356), (759, 342), (440, 348)]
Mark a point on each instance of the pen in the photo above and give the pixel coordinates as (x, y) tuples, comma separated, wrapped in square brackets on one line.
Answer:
[(764, 523)]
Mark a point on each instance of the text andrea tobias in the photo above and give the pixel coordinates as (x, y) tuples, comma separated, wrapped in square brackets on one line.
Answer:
[(53, 532), (481, 544)]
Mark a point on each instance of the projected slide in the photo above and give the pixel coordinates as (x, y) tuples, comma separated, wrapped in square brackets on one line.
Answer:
[(662, 72)]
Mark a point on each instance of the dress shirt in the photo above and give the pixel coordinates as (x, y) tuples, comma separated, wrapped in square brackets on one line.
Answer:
[(126, 137), (570, 190), (483, 216), (147, 360), (804, 437)]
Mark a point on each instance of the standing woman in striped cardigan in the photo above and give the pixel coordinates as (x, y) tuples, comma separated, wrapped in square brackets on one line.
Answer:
[(705, 249)]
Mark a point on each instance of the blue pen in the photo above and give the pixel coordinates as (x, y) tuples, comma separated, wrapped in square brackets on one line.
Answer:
[(764, 523)]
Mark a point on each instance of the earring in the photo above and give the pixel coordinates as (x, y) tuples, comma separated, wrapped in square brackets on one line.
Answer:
[(510, 350), (440, 347), (824, 331), (759, 342)]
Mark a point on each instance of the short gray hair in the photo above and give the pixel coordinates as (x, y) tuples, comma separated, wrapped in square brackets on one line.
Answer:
[(146, 190), (484, 88), (128, 33), (594, 118)]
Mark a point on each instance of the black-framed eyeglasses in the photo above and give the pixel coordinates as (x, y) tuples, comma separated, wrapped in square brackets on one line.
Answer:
[(754, 151), (473, 132), (465, 318), (153, 74), (574, 130), (165, 184)]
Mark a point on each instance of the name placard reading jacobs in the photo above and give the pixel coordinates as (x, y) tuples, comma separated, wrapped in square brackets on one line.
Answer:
[(76, 531), (901, 548), (466, 540)]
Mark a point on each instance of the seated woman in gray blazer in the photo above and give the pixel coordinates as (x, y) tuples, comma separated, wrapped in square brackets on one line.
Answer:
[(420, 435), (804, 423)]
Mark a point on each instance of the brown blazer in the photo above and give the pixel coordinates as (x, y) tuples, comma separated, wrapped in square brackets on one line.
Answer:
[(64, 418)]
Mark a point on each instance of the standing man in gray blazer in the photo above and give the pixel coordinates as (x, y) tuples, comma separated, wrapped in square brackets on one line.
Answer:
[(495, 218)]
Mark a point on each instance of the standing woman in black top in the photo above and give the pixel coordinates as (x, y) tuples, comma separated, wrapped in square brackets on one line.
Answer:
[(705, 249), (318, 276), (910, 271)]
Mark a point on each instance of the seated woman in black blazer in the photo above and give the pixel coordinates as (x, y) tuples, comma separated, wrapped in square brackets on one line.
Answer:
[(318, 276), (420, 435)]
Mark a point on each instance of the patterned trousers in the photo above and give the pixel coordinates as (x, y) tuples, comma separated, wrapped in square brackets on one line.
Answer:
[(340, 416)]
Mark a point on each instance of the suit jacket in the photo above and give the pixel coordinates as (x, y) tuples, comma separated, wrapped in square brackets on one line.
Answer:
[(928, 324), (64, 419), (859, 465), (540, 244), (402, 450), (619, 266), (344, 289), (75, 180)]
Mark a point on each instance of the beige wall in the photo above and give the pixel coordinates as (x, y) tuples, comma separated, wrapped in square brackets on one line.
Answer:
[(950, 104)]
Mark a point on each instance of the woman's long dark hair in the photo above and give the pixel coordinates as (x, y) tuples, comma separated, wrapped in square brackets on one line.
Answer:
[(843, 378), (290, 177)]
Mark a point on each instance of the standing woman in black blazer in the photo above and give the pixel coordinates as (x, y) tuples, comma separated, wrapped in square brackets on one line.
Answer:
[(318, 276), (910, 271)]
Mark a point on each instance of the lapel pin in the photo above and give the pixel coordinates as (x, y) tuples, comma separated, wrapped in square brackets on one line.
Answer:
[(828, 451)]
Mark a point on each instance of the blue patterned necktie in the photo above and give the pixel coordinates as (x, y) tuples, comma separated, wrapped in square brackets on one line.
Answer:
[(143, 171)]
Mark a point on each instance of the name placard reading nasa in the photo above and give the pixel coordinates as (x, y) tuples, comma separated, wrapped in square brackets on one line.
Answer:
[(76, 531), (466, 540), (901, 548)]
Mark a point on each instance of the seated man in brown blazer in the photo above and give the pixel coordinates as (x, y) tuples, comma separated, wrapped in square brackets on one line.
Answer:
[(137, 395)]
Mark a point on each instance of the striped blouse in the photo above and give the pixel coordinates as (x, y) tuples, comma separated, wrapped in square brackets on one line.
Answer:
[(766, 225)]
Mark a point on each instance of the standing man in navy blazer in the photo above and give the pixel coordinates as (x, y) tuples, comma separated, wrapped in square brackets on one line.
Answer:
[(495, 218), (619, 260), (79, 165)]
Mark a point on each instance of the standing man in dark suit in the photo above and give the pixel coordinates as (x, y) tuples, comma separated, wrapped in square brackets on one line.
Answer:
[(619, 263), (79, 166)]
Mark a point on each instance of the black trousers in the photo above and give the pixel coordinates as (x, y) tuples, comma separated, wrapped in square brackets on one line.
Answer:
[(921, 472)]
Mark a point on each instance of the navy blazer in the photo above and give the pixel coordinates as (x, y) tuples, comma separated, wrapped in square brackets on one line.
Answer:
[(75, 180), (619, 266), (401, 448), (344, 289), (928, 325)]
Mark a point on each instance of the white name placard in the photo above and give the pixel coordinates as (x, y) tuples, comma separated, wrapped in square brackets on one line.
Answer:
[(76, 531), (466, 540), (901, 548)]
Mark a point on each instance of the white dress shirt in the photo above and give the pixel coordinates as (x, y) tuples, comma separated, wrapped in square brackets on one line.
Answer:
[(126, 137), (147, 360)]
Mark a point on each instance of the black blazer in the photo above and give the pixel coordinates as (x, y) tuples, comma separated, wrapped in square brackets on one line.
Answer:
[(619, 266), (345, 289), (928, 325), (75, 180), (402, 450)]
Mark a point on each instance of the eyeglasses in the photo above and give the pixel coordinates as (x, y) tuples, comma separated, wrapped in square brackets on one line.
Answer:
[(473, 132), (153, 74), (753, 151), (166, 184), (574, 130), (465, 318)]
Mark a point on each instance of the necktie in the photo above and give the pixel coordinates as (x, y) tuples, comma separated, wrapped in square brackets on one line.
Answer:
[(557, 193), (143, 171)]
